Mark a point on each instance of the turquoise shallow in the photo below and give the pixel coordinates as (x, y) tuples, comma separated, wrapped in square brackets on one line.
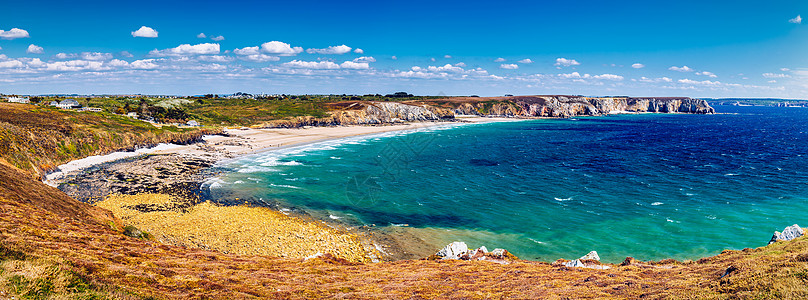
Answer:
[(651, 186)]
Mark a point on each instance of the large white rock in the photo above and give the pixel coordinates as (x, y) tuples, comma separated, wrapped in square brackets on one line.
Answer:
[(591, 255), (789, 233), (453, 251)]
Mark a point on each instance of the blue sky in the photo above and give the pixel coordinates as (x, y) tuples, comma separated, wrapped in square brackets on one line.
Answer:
[(638, 48)]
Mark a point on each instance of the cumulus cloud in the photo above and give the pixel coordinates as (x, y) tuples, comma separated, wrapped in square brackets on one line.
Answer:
[(144, 64), (359, 51), (354, 65), (247, 51), (201, 35), (576, 75), (11, 64), (34, 49), (364, 59), (215, 58), (638, 66), (776, 75), (96, 56), (680, 69), (65, 55), (695, 82), (447, 56), (460, 64), (796, 20), (525, 61), (509, 66), (311, 64), (785, 69), (341, 49), (260, 57), (14, 33), (146, 32), (280, 48), (563, 62), (708, 74), (661, 79), (394, 57), (126, 54), (187, 49), (117, 63), (218, 38), (499, 59)]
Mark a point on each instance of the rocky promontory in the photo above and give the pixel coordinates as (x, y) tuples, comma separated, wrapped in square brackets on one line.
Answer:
[(571, 106)]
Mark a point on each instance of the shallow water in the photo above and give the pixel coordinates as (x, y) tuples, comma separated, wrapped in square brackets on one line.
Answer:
[(651, 186)]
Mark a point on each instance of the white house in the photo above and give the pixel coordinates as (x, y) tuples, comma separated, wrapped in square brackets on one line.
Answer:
[(68, 104), (132, 115), (19, 100), (193, 123)]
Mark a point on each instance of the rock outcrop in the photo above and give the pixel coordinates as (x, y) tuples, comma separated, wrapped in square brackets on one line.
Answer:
[(459, 250), (570, 106), (789, 233), (590, 261), (367, 113)]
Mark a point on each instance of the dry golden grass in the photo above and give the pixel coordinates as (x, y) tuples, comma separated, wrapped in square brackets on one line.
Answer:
[(239, 230)]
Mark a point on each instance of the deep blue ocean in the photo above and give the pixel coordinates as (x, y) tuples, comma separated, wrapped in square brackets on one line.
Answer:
[(651, 186)]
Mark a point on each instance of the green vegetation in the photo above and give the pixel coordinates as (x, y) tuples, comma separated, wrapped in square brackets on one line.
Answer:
[(37, 138)]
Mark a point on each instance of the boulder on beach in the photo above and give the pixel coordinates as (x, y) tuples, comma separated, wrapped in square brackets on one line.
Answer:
[(789, 233)]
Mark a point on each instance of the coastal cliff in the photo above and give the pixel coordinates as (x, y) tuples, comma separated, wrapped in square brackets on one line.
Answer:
[(367, 113), (570, 106)]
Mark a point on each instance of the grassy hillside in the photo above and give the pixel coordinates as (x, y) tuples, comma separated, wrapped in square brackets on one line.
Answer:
[(36, 138)]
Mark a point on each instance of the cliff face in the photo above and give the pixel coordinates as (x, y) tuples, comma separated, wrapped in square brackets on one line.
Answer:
[(569, 106), (355, 113)]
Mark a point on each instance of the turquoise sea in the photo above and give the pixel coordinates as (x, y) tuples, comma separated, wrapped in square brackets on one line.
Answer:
[(651, 186)]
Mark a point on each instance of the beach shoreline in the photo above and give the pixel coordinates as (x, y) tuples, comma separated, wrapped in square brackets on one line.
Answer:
[(181, 170)]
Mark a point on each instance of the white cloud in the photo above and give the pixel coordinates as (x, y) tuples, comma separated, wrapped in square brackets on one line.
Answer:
[(14, 33), (447, 56), (364, 59), (96, 56), (705, 82), (525, 61), (280, 48), (394, 57), (444, 68), (563, 62), (359, 51), (311, 64), (341, 49), (247, 51), (65, 55), (260, 57), (34, 49), (74, 65), (126, 54), (500, 59), (146, 32), (608, 77), (796, 20), (785, 69), (775, 75), (187, 49), (661, 79), (11, 64), (772, 81), (201, 35), (117, 63), (144, 64), (36, 63), (576, 75), (705, 73), (218, 38), (638, 66), (432, 59), (215, 58), (509, 66), (460, 64), (354, 65), (680, 69)]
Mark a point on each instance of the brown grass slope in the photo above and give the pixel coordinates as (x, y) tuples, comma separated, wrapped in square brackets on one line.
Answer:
[(37, 139), (41, 228)]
